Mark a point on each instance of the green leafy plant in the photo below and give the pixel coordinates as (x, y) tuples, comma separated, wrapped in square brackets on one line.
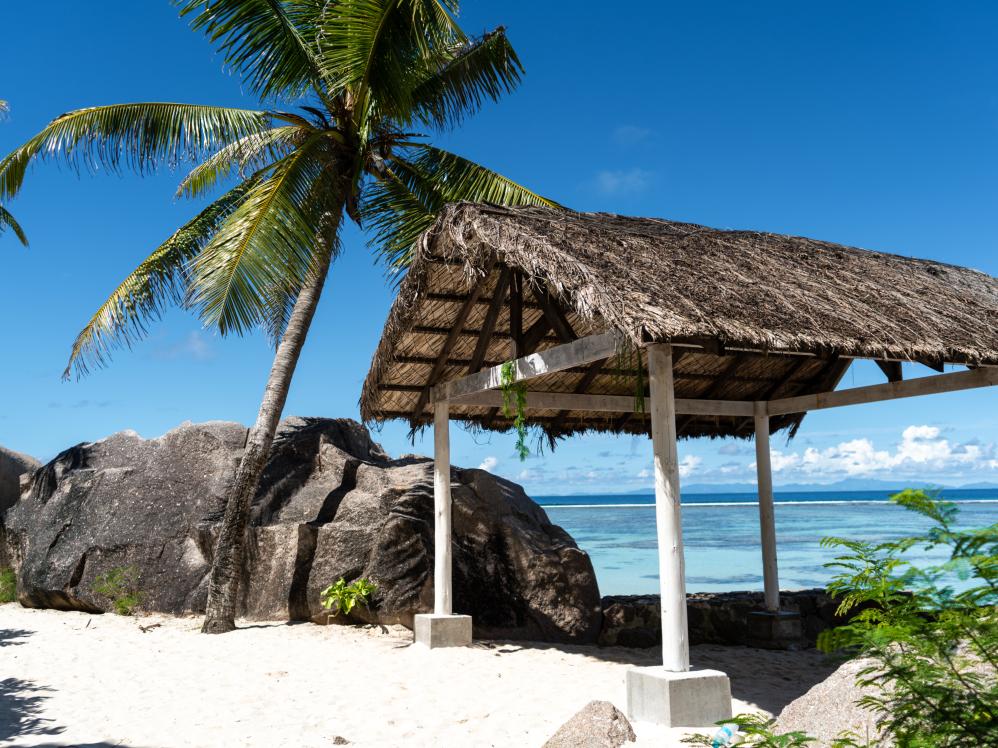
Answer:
[(120, 585), (929, 631), (341, 597), (8, 585), (759, 732), (514, 405)]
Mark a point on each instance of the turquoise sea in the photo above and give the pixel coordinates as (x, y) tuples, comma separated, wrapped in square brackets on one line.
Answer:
[(721, 534)]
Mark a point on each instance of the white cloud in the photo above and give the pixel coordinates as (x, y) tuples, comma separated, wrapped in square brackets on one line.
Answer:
[(630, 134), (643, 474), (688, 464), (489, 463), (623, 181), (922, 451), (195, 346)]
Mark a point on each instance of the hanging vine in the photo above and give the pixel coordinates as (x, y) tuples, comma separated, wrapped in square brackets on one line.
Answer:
[(629, 358), (514, 405)]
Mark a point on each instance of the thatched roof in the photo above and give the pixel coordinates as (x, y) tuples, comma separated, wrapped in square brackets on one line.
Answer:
[(742, 301)]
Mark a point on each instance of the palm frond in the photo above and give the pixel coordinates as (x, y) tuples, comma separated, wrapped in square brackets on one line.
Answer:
[(407, 196), (139, 136), (159, 281), (271, 43), (457, 178), (377, 48), (396, 211), (7, 222), (267, 243), (248, 154), (461, 78)]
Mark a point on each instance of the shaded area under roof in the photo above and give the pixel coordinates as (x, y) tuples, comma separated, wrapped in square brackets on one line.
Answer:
[(753, 316)]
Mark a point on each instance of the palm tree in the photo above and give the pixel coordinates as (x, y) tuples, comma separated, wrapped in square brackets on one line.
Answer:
[(6, 219), (365, 77)]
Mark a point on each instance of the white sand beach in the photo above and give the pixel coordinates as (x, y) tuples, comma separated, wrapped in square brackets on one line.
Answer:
[(73, 679)]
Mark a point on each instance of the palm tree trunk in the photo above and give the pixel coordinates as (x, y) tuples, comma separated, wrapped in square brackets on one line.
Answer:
[(226, 569)]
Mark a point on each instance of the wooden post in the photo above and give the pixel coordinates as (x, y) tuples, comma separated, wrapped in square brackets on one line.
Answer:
[(441, 510), (767, 519), (671, 565)]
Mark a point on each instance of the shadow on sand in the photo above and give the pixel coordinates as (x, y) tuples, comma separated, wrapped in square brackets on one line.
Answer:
[(12, 637), (21, 708), (768, 679)]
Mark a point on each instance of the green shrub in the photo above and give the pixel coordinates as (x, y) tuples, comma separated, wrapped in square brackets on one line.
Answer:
[(341, 597), (8, 585), (930, 631), (120, 585)]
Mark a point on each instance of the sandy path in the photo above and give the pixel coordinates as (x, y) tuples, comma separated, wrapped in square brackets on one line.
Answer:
[(76, 679)]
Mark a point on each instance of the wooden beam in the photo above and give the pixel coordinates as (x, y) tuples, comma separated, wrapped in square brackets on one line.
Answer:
[(462, 316), (472, 333), (962, 380), (668, 516), (581, 387), (720, 382), (442, 570), (555, 316), (516, 313), (458, 298), (489, 325), (567, 401), (892, 369), (561, 357), (767, 517)]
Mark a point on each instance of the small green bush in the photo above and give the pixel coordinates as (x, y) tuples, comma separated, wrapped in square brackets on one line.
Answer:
[(341, 597), (8, 586), (120, 585), (758, 731)]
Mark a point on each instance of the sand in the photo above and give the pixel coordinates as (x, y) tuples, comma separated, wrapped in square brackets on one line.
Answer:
[(99, 680)]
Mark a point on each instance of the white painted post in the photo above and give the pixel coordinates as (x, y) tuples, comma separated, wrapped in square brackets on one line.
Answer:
[(671, 564), (767, 519), (441, 510)]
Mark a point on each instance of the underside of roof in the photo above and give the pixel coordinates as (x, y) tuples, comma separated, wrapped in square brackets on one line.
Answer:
[(752, 316)]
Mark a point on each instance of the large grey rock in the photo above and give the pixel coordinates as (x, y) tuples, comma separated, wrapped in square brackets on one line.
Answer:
[(598, 725), (830, 708), (13, 465), (331, 504)]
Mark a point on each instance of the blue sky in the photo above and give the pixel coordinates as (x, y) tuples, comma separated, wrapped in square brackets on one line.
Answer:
[(872, 124)]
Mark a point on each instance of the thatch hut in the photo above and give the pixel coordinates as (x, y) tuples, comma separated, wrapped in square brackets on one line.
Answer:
[(637, 325)]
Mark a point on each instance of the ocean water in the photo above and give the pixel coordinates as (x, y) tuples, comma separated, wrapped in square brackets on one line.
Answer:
[(721, 534)]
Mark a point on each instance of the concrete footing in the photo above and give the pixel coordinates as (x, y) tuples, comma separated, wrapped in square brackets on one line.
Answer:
[(435, 631), (696, 698), (775, 630)]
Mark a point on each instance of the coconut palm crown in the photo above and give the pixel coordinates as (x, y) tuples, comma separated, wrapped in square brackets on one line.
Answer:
[(353, 85), (359, 80)]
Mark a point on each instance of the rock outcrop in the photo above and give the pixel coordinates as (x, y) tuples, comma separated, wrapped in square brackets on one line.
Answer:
[(830, 708), (714, 617), (331, 504), (12, 466), (598, 725)]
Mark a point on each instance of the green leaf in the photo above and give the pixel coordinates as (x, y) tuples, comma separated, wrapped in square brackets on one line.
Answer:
[(7, 222), (248, 154), (271, 43), (160, 280), (460, 78), (267, 247), (140, 136), (377, 48)]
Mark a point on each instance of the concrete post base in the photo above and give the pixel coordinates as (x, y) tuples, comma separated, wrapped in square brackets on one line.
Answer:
[(437, 631), (774, 630), (696, 698)]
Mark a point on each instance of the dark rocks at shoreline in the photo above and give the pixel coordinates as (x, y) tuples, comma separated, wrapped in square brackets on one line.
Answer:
[(714, 617), (331, 504), (13, 465)]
